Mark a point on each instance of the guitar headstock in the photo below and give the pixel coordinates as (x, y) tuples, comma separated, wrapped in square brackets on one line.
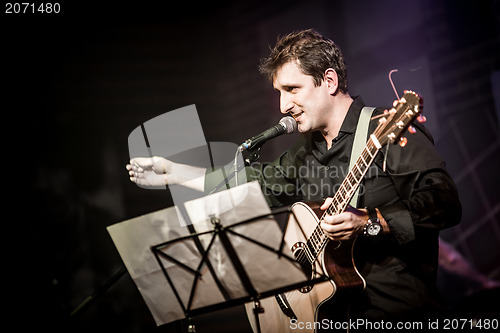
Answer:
[(394, 122)]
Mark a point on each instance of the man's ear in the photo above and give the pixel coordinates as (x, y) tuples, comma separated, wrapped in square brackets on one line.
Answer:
[(331, 81)]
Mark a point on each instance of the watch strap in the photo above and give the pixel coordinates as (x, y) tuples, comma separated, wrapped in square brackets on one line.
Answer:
[(372, 215), (373, 222)]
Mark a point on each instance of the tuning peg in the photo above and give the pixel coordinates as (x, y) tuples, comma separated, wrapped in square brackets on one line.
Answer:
[(412, 130), (421, 119), (403, 141)]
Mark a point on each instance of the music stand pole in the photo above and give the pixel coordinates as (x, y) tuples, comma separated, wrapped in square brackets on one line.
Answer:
[(258, 309), (92, 298)]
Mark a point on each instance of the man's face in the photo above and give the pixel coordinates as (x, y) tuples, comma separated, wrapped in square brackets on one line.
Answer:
[(299, 97)]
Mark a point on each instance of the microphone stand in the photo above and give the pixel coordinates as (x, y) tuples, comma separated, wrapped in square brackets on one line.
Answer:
[(253, 157)]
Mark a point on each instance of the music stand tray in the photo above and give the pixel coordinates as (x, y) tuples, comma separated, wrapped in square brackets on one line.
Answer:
[(235, 255)]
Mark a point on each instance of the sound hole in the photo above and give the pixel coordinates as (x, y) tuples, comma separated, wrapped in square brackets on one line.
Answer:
[(303, 257)]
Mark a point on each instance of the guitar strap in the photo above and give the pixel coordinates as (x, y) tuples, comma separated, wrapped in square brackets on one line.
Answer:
[(359, 143)]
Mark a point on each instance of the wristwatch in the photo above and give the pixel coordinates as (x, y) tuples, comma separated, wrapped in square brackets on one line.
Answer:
[(373, 227)]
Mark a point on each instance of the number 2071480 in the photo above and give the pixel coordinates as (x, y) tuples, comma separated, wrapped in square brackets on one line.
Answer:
[(32, 8)]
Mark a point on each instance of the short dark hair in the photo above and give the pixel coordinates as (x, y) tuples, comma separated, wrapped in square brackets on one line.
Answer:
[(314, 54)]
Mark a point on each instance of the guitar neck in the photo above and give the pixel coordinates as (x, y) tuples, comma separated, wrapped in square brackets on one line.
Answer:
[(345, 193)]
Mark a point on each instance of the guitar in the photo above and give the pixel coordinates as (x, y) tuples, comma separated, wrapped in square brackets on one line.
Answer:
[(325, 305)]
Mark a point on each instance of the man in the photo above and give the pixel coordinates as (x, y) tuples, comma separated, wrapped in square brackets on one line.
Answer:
[(407, 189)]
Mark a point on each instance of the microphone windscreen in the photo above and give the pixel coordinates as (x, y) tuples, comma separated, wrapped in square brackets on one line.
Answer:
[(289, 123)]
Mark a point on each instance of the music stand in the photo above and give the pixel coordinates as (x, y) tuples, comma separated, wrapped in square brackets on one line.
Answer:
[(236, 256)]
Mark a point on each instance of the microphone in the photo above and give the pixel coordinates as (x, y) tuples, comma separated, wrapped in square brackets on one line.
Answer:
[(286, 125)]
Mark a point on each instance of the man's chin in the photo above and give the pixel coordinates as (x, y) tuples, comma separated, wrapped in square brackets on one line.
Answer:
[(301, 128)]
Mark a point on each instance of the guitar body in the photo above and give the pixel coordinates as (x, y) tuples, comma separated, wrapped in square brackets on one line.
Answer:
[(316, 305)]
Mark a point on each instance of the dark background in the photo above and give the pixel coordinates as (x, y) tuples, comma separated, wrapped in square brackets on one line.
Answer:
[(75, 84)]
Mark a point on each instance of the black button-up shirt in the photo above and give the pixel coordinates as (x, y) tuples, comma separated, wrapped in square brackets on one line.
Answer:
[(414, 194)]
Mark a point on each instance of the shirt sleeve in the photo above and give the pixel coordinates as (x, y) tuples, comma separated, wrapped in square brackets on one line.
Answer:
[(278, 179), (428, 197)]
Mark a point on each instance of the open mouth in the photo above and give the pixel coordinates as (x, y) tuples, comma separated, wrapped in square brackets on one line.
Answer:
[(296, 116)]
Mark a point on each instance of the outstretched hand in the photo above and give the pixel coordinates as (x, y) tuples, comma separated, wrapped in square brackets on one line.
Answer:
[(148, 171), (158, 171)]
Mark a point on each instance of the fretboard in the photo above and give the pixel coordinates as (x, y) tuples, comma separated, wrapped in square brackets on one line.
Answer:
[(343, 196)]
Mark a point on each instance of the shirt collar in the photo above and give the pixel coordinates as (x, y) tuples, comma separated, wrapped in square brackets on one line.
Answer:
[(351, 119), (348, 125)]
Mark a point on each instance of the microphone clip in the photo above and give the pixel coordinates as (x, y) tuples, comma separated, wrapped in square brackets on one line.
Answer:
[(252, 146), (253, 153)]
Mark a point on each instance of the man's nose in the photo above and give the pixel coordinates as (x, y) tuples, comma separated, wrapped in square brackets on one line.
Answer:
[(286, 103)]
